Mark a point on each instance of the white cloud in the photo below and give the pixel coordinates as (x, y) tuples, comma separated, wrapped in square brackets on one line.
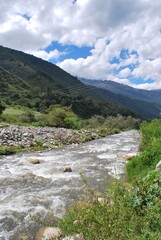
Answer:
[(46, 55), (125, 72), (108, 26)]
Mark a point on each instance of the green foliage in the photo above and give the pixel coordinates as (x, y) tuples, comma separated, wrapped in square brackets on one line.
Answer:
[(124, 213), (8, 150), (146, 192), (10, 118), (151, 155), (110, 125), (150, 132), (62, 117), (27, 117), (20, 115)]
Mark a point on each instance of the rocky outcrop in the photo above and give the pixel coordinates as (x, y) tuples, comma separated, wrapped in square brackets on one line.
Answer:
[(47, 137)]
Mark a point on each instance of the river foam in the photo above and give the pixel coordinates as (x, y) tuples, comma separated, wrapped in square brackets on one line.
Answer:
[(42, 189)]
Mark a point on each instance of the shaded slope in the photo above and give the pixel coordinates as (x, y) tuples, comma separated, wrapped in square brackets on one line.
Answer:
[(153, 96), (144, 103)]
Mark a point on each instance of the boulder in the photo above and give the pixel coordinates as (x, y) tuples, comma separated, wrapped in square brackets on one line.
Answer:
[(48, 233), (67, 169)]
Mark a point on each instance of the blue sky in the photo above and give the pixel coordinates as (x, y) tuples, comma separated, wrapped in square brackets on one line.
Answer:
[(115, 40), (69, 51)]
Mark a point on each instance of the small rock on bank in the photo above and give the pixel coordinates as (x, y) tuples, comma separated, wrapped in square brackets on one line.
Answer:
[(48, 233)]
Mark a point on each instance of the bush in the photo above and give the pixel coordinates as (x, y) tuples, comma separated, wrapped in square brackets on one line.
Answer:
[(27, 117), (62, 117), (10, 118), (119, 122)]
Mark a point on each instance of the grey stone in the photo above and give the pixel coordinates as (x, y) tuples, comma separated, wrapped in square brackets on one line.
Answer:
[(158, 164)]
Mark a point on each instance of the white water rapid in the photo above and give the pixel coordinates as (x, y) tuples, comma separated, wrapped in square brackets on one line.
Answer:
[(43, 189)]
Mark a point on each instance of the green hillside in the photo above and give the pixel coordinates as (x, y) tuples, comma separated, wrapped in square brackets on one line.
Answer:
[(32, 82)]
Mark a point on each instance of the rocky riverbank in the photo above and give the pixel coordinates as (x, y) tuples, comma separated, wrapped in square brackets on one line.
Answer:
[(47, 137)]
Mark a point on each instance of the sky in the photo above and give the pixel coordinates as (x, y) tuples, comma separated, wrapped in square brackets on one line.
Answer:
[(118, 40)]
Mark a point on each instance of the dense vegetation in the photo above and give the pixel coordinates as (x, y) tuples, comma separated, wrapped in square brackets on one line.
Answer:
[(58, 116), (128, 210)]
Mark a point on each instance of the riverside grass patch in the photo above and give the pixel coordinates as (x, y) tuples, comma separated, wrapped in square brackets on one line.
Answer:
[(126, 212), (150, 147)]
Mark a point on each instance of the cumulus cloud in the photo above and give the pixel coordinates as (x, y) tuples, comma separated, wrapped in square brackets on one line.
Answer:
[(55, 54), (107, 26), (125, 72)]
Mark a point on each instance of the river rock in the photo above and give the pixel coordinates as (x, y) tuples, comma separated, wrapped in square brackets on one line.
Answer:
[(23, 237), (129, 156), (67, 169), (48, 233), (34, 161), (158, 165)]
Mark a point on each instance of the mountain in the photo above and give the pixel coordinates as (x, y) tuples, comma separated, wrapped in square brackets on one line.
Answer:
[(35, 83), (153, 96), (145, 103)]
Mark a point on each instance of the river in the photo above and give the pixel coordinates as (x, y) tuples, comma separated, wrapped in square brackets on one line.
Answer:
[(44, 190)]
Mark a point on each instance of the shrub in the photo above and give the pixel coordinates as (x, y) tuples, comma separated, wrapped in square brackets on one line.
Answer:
[(62, 117), (27, 117), (119, 122)]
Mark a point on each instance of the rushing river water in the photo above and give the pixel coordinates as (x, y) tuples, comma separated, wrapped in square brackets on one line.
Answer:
[(43, 189)]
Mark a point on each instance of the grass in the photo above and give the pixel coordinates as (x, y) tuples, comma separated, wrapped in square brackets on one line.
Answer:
[(9, 150), (120, 216), (14, 115), (150, 148), (13, 111)]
